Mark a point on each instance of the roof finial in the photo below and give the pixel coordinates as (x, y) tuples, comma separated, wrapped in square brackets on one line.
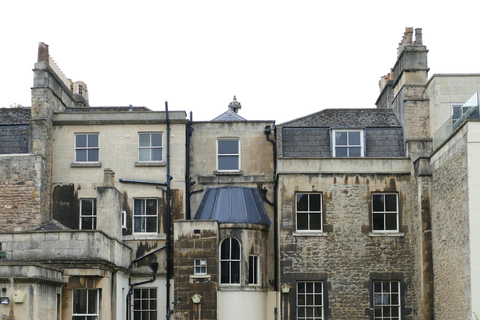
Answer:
[(235, 105)]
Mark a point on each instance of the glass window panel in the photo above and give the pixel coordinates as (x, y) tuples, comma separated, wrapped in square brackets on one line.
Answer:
[(309, 299), (153, 304), (386, 311), (151, 224), (315, 221), (136, 293), (355, 152), (301, 300), (318, 312), (386, 286), (318, 288), (391, 221), (81, 155), (136, 304), (153, 315), (153, 293), (225, 249), (301, 287), (394, 286), (144, 155), (302, 221), (228, 163), (302, 202), (377, 312), (225, 271), (309, 287), (92, 302), (378, 202), (395, 312), (137, 315), (354, 138), (341, 138), (377, 286), (378, 221), (315, 202), (340, 152), (93, 141), (87, 224), (137, 224), (318, 300), (145, 304), (309, 312), (227, 146), (151, 207), (93, 155), (391, 202), (156, 139), (301, 312), (138, 206), (235, 249), (394, 298), (144, 140), (377, 300), (80, 141), (156, 155), (235, 271)]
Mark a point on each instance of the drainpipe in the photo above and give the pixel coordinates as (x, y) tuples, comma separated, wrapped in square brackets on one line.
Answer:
[(188, 184), (267, 131), (167, 244)]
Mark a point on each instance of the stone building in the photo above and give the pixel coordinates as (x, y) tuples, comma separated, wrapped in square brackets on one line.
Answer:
[(128, 213)]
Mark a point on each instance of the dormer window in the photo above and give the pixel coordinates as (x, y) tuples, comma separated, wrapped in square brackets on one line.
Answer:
[(348, 143)]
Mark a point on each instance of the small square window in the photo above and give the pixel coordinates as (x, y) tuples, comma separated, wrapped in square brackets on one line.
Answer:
[(86, 147), (385, 212), (228, 155), (309, 211), (88, 214), (150, 146), (145, 215), (200, 266), (348, 143)]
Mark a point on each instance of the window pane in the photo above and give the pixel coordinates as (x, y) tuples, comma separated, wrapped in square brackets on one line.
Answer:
[(235, 271), (378, 223), (378, 202), (302, 202), (93, 140), (354, 138), (301, 300), (156, 139), (93, 155), (156, 155), (144, 155), (144, 140), (391, 202), (151, 224), (340, 152), (301, 287), (80, 141), (355, 152), (227, 146), (391, 221), (315, 203), (137, 224), (341, 138), (81, 155), (225, 249), (228, 163), (315, 221), (302, 221), (235, 249), (87, 224), (87, 207), (225, 272), (151, 207), (92, 302), (138, 206)]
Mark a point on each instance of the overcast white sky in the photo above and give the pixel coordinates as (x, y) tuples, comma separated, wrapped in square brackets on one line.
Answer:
[(282, 59)]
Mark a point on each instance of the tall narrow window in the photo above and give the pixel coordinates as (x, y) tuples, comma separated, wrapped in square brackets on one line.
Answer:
[(386, 300), (88, 214), (385, 212), (253, 270), (230, 261), (348, 143), (150, 147), (309, 211), (310, 300), (85, 304), (145, 304), (228, 155), (145, 215), (86, 147)]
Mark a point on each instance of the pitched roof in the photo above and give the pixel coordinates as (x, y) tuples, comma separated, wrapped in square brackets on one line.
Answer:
[(348, 118), (233, 205), (229, 115)]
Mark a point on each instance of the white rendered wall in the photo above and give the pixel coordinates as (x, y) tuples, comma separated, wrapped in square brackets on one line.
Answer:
[(241, 305)]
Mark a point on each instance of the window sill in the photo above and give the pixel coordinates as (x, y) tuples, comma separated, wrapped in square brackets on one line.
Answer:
[(85, 164), (150, 164), (198, 276), (228, 173), (141, 236), (386, 234), (310, 234)]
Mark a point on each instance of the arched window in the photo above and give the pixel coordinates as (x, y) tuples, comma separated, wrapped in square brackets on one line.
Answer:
[(230, 261)]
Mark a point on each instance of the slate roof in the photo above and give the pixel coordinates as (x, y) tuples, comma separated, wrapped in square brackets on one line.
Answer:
[(15, 116), (347, 118), (229, 115), (233, 205), (51, 225)]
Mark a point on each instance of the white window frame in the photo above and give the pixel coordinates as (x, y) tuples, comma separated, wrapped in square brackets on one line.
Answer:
[(230, 261), (309, 212), (143, 216), (93, 214), (348, 145), (254, 270), (302, 299), (124, 219), (200, 267), (87, 148), (384, 212), (386, 298), (150, 147), (137, 301), (85, 316), (238, 155)]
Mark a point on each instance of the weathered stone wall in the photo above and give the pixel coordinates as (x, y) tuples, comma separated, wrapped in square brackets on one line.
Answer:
[(451, 248), (347, 255), (196, 240), (13, 139), (22, 186)]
